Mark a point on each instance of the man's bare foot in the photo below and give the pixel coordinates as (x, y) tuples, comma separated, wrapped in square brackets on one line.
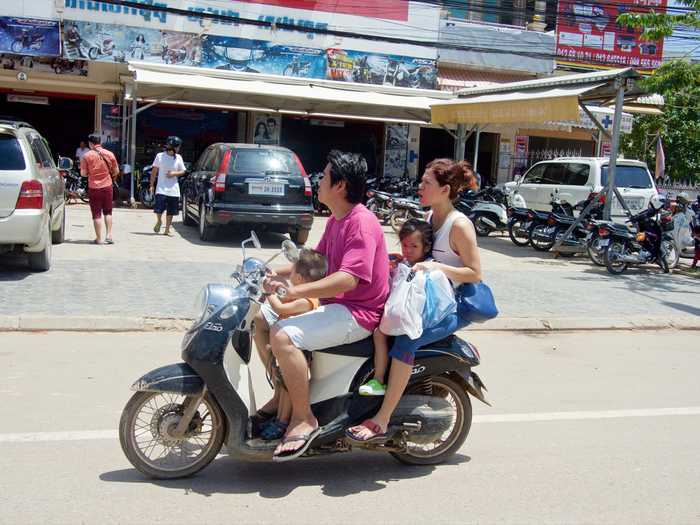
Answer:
[(301, 428)]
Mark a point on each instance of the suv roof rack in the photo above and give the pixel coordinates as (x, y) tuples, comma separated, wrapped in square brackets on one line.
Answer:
[(15, 123)]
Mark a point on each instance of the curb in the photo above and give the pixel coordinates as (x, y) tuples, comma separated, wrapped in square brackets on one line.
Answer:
[(36, 323)]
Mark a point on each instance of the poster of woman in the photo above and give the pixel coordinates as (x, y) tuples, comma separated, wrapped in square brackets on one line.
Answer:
[(266, 129)]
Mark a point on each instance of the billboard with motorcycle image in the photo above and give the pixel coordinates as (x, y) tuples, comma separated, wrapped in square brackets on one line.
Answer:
[(258, 56), (29, 36), (119, 43), (387, 70)]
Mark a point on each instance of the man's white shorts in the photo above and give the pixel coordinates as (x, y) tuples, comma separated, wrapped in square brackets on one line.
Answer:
[(328, 325)]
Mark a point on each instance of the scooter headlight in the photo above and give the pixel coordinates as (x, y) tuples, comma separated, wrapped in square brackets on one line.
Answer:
[(201, 306)]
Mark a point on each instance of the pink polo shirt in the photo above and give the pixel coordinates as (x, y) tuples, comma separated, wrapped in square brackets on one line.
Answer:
[(355, 245)]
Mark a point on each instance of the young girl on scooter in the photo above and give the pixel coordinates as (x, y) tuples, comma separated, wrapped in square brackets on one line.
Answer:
[(416, 237), (310, 267)]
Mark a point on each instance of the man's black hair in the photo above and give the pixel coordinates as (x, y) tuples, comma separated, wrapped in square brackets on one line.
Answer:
[(94, 139), (351, 168)]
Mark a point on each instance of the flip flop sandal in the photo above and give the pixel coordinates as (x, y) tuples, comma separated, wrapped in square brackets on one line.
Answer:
[(109, 241), (293, 454), (378, 437), (273, 430)]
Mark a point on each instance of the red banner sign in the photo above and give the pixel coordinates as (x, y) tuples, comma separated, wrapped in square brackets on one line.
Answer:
[(588, 33), (386, 9)]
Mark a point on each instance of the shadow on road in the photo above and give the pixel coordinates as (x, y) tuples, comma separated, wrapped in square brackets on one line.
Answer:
[(230, 236), (337, 477), (505, 246), (13, 267)]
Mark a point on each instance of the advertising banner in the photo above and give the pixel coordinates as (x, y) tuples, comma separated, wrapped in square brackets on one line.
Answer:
[(257, 56), (395, 151), (29, 36), (57, 65), (119, 43), (111, 127), (587, 32), (387, 70), (266, 129)]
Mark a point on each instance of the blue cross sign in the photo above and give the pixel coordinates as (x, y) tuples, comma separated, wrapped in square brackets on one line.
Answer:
[(606, 121)]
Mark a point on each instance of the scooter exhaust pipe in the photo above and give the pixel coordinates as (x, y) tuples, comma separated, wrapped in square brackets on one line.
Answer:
[(488, 222)]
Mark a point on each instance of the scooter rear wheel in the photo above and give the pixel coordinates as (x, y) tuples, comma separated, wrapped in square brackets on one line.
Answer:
[(613, 258), (453, 439), (482, 229), (512, 228), (145, 434)]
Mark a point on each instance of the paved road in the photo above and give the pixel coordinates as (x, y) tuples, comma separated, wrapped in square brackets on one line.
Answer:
[(155, 276), (549, 451)]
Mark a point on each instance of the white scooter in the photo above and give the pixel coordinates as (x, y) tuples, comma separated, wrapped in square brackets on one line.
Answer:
[(182, 414)]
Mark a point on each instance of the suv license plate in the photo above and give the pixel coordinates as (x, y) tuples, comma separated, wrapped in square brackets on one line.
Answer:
[(266, 188), (634, 204)]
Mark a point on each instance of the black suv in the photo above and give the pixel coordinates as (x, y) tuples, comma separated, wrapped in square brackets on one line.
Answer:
[(248, 184)]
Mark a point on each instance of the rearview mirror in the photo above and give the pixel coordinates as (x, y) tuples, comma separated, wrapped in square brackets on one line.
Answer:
[(290, 250), (256, 241), (64, 163)]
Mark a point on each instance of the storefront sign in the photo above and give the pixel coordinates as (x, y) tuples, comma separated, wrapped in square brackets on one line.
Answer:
[(378, 18), (327, 123), (267, 129), (391, 70), (587, 32), (111, 127), (28, 99), (58, 65), (29, 36), (256, 56)]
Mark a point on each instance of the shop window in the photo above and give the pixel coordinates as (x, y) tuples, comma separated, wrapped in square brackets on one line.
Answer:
[(576, 174)]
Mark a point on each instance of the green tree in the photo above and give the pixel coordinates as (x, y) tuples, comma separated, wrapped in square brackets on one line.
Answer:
[(679, 125), (658, 25)]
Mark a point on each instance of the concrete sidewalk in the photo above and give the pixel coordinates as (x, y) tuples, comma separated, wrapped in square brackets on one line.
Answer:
[(63, 323), (148, 281)]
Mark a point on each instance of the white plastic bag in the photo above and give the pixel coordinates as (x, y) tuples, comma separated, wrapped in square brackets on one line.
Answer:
[(439, 299), (404, 308)]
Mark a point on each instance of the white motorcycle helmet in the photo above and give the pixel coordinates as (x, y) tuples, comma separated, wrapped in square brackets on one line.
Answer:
[(656, 202)]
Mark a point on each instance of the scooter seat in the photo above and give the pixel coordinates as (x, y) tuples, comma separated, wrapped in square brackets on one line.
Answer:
[(365, 347)]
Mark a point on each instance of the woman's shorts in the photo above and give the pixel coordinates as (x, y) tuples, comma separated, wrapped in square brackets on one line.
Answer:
[(165, 202), (100, 201)]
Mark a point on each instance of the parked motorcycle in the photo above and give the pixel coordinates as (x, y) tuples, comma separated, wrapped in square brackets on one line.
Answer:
[(182, 414), (545, 225), (685, 220), (489, 212), (146, 197), (381, 202), (315, 179), (76, 187), (651, 243), (404, 209)]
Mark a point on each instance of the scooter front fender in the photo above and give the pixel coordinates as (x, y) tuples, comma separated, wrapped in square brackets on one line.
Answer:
[(179, 378)]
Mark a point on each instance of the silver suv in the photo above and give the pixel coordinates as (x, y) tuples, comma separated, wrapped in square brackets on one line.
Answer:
[(32, 202)]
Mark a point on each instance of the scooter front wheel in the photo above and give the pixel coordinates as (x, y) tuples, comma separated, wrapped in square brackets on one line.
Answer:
[(514, 228), (149, 441), (450, 442)]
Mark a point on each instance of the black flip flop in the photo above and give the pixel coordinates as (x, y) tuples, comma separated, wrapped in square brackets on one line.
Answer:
[(293, 454)]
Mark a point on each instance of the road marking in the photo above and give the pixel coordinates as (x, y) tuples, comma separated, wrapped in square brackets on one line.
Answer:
[(91, 435), (581, 415)]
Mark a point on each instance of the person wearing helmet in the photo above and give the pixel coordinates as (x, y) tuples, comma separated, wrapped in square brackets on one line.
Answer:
[(167, 167)]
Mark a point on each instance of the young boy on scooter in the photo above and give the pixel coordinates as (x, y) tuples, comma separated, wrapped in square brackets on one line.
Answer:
[(310, 267), (416, 237)]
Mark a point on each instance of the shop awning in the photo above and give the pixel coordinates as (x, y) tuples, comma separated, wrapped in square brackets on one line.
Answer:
[(534, 101), (556, 104), (278, 94)]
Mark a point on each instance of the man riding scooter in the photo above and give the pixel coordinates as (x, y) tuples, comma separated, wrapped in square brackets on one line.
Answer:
[(352, 294)]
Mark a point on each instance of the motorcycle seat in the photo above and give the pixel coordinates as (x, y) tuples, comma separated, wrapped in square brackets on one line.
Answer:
[(365, 347)]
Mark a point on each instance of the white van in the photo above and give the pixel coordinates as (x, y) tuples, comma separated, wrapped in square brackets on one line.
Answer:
[(574, 178)]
